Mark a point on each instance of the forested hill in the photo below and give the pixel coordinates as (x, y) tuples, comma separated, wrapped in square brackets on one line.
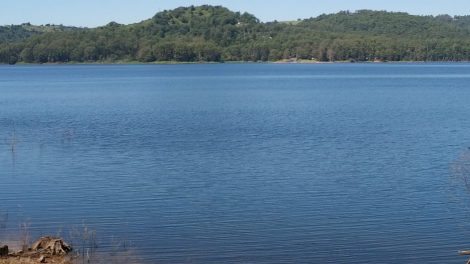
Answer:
[(214, 33), (20, 32)]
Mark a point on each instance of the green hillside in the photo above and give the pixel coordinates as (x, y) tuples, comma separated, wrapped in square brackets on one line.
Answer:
[(214, 33), (14, 33)]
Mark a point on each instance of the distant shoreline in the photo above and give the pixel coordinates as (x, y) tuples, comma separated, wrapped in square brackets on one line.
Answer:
[(208, 33), (227, 62)]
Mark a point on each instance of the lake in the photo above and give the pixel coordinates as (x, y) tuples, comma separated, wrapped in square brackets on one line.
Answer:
[(241, 163)]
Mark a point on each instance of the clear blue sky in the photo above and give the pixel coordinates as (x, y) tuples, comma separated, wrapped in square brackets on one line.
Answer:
[(99, 12)]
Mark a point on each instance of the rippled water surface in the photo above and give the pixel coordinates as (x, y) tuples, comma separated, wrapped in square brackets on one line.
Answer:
[(254, 163)]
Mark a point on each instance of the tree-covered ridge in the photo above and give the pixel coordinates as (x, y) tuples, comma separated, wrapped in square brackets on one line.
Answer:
[(390, 23), (214, 33), (14, 33)]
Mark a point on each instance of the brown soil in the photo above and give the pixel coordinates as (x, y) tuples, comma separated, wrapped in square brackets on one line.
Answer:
[(35, 260)]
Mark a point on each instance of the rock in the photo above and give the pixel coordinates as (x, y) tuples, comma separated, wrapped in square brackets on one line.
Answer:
[(51, 245), (4, 251)]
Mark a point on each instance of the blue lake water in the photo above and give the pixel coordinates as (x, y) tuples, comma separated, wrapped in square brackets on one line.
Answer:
[(249, 163)]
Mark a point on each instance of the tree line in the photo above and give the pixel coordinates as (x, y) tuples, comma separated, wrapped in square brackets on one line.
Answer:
[(216, 34)]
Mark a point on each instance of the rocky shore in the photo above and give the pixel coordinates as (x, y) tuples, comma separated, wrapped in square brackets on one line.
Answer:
[(45, 250)]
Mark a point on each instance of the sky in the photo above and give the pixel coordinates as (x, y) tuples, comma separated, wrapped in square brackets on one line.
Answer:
[(92, 13)]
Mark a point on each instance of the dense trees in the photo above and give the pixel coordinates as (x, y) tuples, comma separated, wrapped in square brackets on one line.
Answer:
[(214, 33)]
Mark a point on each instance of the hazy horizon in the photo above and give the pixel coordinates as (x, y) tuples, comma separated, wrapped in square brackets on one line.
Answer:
[(87, 13)]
